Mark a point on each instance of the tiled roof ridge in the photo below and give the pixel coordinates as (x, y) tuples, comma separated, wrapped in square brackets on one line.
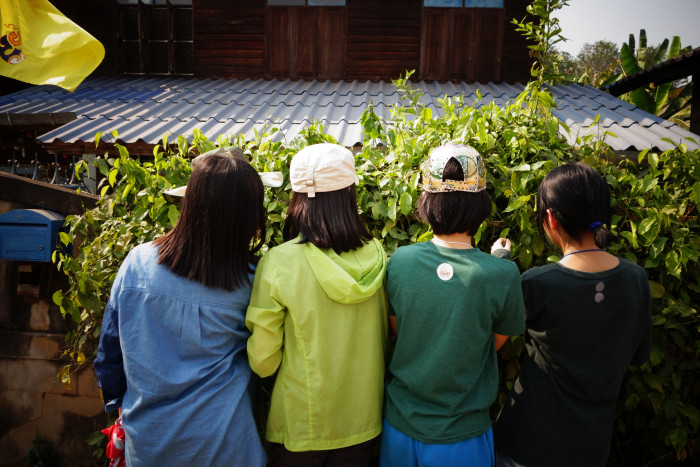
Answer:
[(143, 108)]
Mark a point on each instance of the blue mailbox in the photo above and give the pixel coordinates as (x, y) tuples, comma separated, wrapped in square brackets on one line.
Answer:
[(29, 234)]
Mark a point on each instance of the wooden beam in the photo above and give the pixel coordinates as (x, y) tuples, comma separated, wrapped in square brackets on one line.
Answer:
[(50, 119), (80, 148), (43, 195), (676, 68)]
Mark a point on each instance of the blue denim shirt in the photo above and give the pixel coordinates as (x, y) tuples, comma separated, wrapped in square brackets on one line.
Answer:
[(172, 354)]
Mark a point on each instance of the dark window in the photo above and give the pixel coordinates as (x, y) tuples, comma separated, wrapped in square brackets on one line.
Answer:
[(155, 38)]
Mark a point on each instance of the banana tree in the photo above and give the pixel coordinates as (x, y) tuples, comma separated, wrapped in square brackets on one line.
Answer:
[(662, 99)]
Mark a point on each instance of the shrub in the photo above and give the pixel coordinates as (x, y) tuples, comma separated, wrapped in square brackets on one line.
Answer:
[(655, 199), (42, 453)]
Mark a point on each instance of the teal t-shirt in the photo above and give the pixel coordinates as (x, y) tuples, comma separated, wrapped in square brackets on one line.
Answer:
[(443, 375)]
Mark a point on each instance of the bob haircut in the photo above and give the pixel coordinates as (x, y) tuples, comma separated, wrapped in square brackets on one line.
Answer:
[(579, 200), (222, 212), (328, 220), (454, 211)]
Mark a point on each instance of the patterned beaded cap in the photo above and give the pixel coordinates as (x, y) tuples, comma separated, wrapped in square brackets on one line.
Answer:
[(470, 160)]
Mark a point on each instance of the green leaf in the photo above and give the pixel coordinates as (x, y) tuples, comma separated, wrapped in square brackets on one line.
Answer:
[(58, 297), (628, 60), (673, 264), (643, 100), (677, 438), (657, 290), (64, 238), (95, 437), (660, 55), (123, 152), (113, 177), (642, 50), (173, 214), (691, 413), (642, 154), (653, 382), (515, 203), (631, 402), (406, 203), (538, 246), (525, 257), (649, 228)]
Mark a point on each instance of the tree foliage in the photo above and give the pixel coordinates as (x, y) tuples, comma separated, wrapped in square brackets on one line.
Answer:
[(601, 64), (656, 98), (597, 64), (595, 58)]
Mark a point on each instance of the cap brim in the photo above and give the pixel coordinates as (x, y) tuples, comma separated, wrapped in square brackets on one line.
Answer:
[(175, 195), (271, 179)]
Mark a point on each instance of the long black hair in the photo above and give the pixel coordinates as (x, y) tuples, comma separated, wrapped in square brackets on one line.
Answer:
[(222, 212), (328, 220), (579, 199)]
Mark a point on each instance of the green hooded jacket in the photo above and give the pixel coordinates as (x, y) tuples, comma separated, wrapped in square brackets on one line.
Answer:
[(320, 319)]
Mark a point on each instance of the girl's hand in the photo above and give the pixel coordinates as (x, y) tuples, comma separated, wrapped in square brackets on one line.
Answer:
[(501, 244)]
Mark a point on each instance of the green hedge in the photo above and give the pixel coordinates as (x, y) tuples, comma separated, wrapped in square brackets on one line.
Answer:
[(655, 204)]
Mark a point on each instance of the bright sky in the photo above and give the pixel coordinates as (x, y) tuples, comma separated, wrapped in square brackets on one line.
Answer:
[(589, 21)]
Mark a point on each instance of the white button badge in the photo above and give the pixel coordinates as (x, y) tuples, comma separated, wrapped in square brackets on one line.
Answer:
[(445, 271)]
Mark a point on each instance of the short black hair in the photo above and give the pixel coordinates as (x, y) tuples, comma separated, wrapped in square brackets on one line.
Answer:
[(454, 211), (328, 220), (222, 212), (579, 199)]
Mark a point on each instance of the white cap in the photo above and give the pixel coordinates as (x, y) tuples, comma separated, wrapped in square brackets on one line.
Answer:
[(272, 179), (321, 168)]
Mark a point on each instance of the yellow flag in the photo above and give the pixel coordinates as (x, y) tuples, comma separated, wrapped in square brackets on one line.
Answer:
[(39, 45)]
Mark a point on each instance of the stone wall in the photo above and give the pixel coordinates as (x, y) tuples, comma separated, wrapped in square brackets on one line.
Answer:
[(32, 340)]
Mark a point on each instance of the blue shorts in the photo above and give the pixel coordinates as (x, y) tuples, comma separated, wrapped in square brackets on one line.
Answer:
[(400, 450)]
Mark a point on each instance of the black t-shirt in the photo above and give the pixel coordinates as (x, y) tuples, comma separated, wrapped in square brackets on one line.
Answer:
[(583, 331)]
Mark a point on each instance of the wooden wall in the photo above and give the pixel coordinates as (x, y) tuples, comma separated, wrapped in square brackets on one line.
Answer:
[(367, 39), (461, 44), (383, 39), (305, 42), (229, 38)]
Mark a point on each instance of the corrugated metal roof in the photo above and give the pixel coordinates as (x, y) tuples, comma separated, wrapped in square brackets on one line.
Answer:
[(144, 109)]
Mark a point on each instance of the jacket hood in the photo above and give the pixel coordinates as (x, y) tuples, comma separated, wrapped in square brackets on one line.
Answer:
[(349, 277)]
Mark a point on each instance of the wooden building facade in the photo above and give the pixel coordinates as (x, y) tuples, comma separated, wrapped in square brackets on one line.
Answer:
[(308, 39), (363, 40)]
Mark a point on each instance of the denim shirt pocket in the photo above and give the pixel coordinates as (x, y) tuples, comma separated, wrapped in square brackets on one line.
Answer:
[(190, 332)]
